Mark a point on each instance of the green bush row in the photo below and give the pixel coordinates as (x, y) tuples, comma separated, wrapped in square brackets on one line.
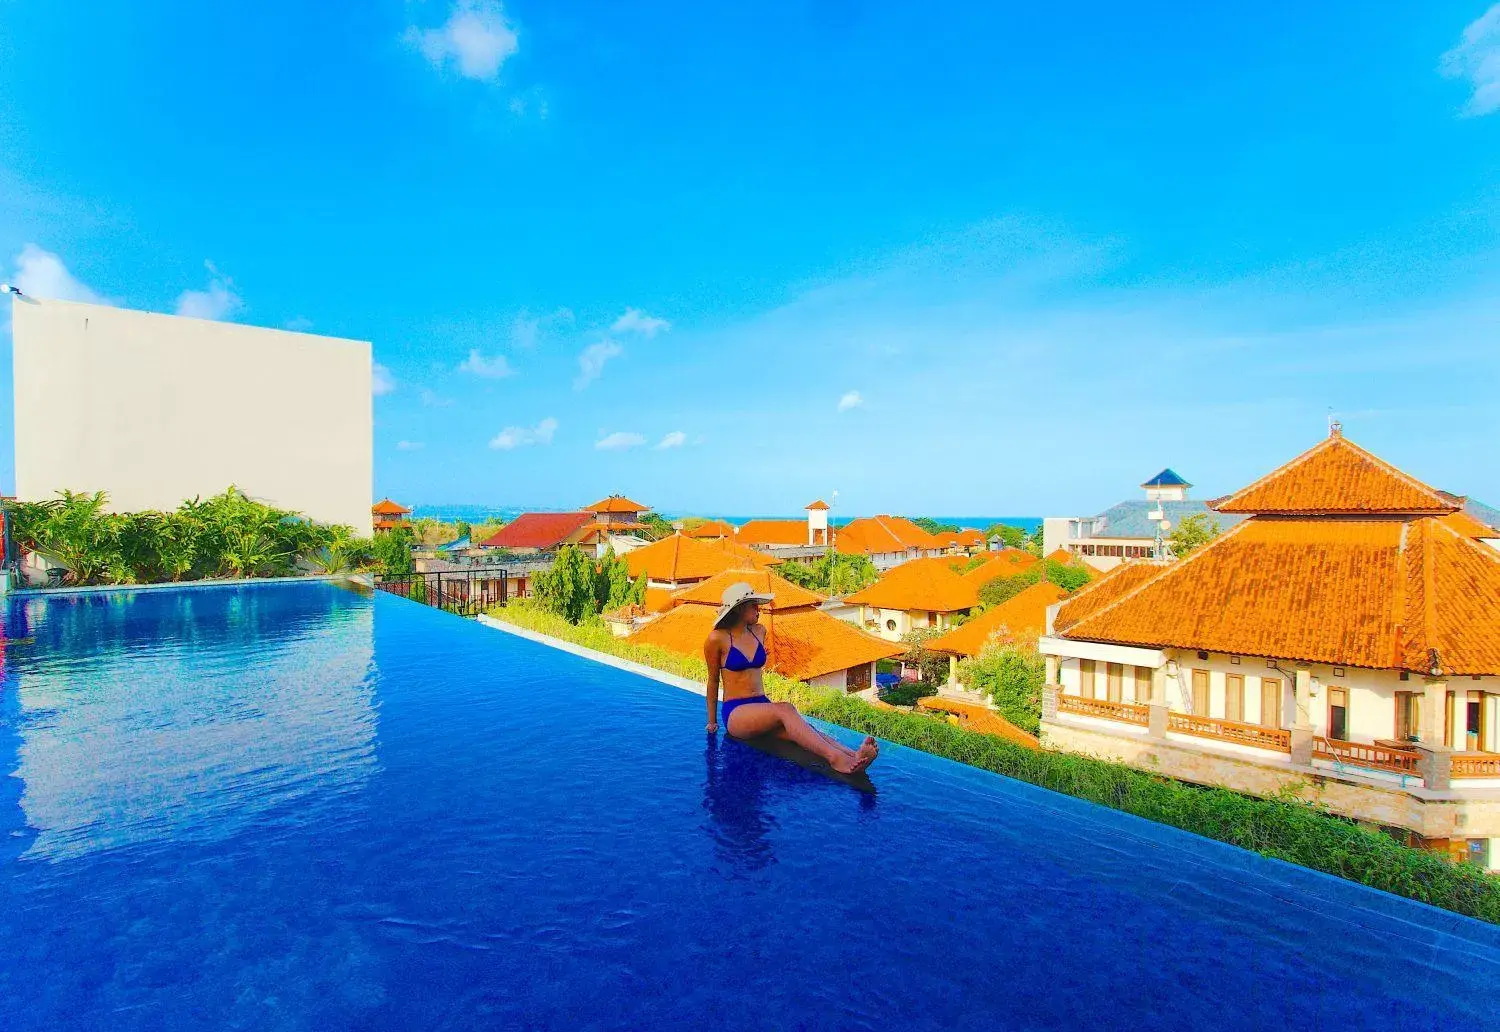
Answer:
[(1288, 830)]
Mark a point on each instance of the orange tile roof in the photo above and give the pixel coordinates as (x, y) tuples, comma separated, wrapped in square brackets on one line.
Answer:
[(1005, 563), (1337, 476), (616, 503), (773, 532), (1024, 615), (1469, 526), (386, 507), (744, 556), (801, 644), (785, 594), (872, 535), (919, 585), (659, 600), (711, 529), (1382, 593), (1104, 590), (1060, 555), (977, 717), (678, 558), (819, 504), (970, 538)]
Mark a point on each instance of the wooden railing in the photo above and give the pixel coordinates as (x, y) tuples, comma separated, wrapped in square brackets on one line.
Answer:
[(1125, 712), (1371, 757), (1475, 765), (1230, 731)]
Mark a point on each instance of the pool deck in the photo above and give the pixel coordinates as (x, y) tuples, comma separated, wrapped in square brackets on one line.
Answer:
[(630, 666)]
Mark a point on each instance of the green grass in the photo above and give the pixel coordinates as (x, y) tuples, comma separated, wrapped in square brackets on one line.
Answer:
[(1289, 830)]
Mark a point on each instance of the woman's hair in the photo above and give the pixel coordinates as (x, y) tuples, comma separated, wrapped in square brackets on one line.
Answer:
[(737, 614)]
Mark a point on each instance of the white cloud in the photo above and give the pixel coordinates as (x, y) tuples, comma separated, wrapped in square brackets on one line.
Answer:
[(675, 439), (528, 330), (1477, 59), (851, 399), (476, 364), (636, 321), (432, 399), (521, 436), (410, 445), (477, 39), (218, 302), (381, 380), (591, 361), (619, 441), (41, 273)]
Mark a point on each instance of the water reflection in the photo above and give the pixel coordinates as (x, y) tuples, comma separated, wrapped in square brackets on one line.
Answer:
[(167, 715), (734, 794)]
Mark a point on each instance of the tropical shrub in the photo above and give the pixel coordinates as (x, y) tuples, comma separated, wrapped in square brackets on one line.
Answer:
[(1285, 829), (391, 552), (931, 667), (577, 586), (1191, 534), (1068, 576), (228, 535), (1012, 675), (834, 573)]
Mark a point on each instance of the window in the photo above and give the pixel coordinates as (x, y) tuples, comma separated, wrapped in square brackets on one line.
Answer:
[(1200, 693), (1142, 684), (1086, 678), (1474, 724), (932, 619), (1408, 718), (1234, 697), (1114, 675), (890, 625), (1338, 714), (1270, 701)]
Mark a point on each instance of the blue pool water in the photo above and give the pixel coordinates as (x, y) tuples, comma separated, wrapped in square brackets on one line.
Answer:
[(294, 807)]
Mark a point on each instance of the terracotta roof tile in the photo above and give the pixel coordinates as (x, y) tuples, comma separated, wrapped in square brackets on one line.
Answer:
[(711, 529), (1337, 476), (678, 558), (386, 507), (919, 585), (819, 504), (1060, 555), (1022, 616), (873, 535), (617, 503), (1468, 526), (773, 532), (1381, 593), (1104, 590), (538, 530), (801, 644), (785, 594)]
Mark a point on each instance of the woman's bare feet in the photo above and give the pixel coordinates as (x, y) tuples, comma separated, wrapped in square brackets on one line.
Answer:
[(862, 758)]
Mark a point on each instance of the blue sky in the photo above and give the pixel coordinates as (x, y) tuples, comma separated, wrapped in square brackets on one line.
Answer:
[(983, 259)]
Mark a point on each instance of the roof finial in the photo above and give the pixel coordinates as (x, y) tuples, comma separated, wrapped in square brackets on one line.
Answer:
[(1335, 428)]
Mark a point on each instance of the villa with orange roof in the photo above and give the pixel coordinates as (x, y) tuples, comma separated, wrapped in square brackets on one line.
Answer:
[(388, 515), (887, 541), (679, 561), (605, 524), (1342, 642), (711, 529), (804, 643), (922, 593), (777, 535)]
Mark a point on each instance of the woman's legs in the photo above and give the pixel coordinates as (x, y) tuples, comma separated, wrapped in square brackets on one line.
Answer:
[(782, 720)]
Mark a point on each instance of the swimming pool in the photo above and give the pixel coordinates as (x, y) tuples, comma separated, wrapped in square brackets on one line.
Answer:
[(296, 807)]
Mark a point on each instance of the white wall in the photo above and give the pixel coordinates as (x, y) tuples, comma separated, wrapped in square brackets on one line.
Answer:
[(154, 409)]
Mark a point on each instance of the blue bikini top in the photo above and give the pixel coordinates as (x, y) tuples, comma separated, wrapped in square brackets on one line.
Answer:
[(735, 660)]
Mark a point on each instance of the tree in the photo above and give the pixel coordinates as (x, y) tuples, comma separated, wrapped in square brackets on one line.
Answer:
[(391, 551), (834, 573), (1003, 589), (577, 587), (613, 587), (1010, 537), (1012, 675), (1191, 534), (1068, 576), (932, 526), (931, 667), (656, 527)]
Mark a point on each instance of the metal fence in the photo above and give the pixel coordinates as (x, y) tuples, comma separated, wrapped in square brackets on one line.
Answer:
[(466, 593)]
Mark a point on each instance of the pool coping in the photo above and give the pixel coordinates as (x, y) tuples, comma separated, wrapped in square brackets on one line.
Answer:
[(630, 666), (217, 582)]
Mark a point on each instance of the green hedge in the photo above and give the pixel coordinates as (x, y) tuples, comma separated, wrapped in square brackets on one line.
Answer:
[(1287, 830)]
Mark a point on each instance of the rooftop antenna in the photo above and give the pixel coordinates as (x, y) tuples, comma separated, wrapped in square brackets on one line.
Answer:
[(833, 499)]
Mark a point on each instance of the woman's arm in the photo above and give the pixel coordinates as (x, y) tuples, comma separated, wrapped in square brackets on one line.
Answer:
[(712, 658)]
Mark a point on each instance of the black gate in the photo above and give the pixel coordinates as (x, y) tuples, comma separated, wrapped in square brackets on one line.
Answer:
[(465, 592)]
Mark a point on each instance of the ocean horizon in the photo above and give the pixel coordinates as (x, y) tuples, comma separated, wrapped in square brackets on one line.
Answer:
[(488, 513)]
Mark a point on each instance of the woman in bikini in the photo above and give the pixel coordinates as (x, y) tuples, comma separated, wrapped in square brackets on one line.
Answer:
[(736, 654)]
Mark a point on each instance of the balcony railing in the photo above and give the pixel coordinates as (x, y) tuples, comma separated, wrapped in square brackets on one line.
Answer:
[(1125, 712), (1230, 731), (1475, 765), (1371, 757)]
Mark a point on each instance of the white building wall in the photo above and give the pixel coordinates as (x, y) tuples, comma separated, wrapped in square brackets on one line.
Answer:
[(837, 679), (155, 409)]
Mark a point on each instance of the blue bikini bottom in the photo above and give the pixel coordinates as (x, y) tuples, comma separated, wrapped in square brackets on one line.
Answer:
[(729, 706)]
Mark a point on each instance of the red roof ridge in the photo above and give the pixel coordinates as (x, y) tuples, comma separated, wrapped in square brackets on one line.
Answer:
[(1442, 503)]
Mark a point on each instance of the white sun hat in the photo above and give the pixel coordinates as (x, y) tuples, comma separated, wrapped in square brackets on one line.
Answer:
[(734, 595)]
